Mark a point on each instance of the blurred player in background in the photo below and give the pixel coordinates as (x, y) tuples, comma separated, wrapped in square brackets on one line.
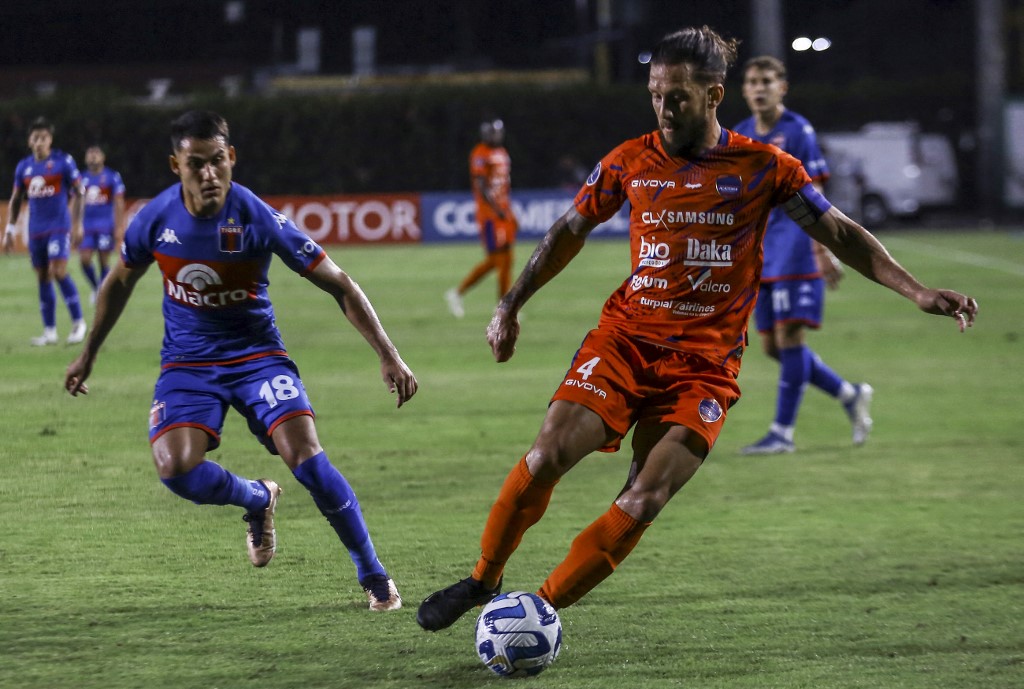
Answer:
[(666, 352), (104, 215), (796, 269), (49, 179), (490, 170), (213, 240)]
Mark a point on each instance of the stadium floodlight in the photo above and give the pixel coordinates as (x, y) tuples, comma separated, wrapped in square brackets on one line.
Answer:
[(801, 44), (820, 44)]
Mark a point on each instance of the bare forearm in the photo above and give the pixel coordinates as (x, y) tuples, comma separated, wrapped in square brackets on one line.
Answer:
[(558, 247), (110, 303), (859, 249)]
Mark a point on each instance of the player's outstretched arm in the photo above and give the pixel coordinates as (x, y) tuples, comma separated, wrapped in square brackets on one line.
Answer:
[(859, 249), (357, 308), (114, 293), (559, 246)]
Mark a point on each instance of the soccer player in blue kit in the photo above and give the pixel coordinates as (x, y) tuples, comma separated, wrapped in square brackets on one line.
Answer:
[(48, 179), (796, 269), (213, 240), (103, 221)]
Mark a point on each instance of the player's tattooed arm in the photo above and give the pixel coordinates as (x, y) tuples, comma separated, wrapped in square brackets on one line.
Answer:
[(553, 253), (555, 250)]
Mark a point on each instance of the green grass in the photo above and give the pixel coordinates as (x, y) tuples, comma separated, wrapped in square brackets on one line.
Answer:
[(894, 565)]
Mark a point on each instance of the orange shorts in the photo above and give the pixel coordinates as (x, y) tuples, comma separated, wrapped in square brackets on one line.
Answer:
[(626, 381), (497, 234)]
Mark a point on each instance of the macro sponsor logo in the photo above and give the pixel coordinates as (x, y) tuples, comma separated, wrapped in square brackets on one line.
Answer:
[(711, 254), (191, 286), (654, 253), (639, 282), (687, 218), (94, 196), (589, 387), (657, 183), (39, 189)]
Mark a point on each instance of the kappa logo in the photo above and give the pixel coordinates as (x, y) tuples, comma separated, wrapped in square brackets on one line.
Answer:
[(168, 237)]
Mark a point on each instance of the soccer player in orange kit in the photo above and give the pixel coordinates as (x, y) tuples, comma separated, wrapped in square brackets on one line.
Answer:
[(490, 169), (666, 352)]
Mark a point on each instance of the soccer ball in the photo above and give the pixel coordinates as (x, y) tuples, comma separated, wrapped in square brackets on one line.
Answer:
[(518, 634)]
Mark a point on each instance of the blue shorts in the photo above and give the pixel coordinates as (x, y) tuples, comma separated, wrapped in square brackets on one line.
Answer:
[(790, 301), (98, 240), (51, 247), (266, 391)]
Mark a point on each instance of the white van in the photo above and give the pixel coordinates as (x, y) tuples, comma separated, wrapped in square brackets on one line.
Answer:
[(889, 169)]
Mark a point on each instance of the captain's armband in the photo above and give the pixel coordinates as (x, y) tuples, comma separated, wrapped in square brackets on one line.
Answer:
[(806, 206)]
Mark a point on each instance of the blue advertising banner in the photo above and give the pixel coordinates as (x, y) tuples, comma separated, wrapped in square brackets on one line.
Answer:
[(451, 216)]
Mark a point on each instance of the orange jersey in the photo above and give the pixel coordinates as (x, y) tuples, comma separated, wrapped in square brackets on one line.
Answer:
[(695, 230), (493, 165)]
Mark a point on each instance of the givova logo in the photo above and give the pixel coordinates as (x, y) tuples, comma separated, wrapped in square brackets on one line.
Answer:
[(191, 286)]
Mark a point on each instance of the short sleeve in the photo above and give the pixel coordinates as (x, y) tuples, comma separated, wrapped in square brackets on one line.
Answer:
[(118, 184), (137, 247), (792, 177), (603, 194), (298, 251)]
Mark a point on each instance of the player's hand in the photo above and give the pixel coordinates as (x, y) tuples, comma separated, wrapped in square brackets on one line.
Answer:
[(502, 333), (944, 302), (829, 266), (399, 379), (77, 234), (9, 235), (74, 377)]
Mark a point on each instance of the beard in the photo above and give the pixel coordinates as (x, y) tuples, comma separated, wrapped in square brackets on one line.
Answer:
[(688, 139)]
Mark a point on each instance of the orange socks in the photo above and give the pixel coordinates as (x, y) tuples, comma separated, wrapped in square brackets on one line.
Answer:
[(520, 504), (594, 555)]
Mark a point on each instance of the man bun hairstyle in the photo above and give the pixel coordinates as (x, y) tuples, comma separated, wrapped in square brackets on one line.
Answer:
[(708, 53), (198, 124)]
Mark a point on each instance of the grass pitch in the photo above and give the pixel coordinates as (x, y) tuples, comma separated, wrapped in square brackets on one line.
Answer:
[(898, 564)]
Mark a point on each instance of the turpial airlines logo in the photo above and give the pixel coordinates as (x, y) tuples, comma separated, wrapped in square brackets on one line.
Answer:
[(192, 285)]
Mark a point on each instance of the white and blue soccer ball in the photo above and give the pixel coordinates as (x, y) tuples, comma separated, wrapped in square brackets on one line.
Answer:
[(518, 634)]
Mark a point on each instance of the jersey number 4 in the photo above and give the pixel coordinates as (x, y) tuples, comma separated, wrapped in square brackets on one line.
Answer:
[(279, 388), (586, 369)]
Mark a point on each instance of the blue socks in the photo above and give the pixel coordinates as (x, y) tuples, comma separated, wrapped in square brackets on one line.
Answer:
[(337, 502), (794, 374), (825, 378), (90, 274), (48, 304), (70, 294), (208, 483)]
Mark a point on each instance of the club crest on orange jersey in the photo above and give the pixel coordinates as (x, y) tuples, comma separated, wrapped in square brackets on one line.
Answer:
[(728, 186), (710, 410), (231, 238)]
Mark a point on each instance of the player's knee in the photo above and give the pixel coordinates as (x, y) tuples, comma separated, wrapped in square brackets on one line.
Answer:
[(549, 460), (644, 502)]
